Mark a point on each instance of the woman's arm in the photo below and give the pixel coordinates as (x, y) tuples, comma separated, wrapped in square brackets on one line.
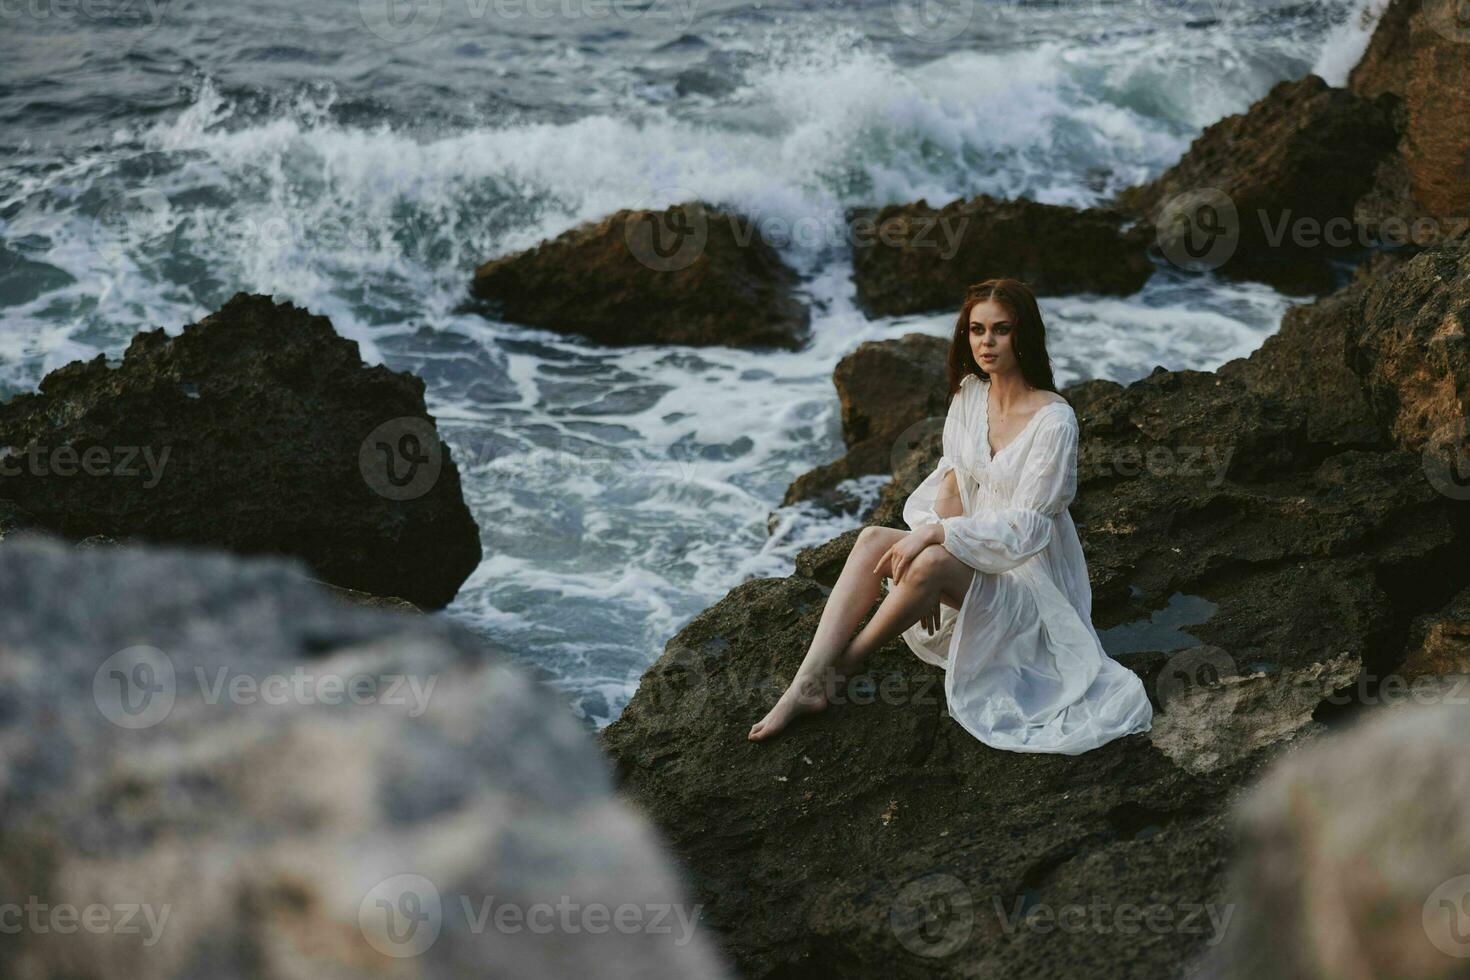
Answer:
[(997, 540), (947, 501)]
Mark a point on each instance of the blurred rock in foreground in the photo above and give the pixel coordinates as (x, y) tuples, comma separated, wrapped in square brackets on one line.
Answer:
[(210, 769), (1354, 855)]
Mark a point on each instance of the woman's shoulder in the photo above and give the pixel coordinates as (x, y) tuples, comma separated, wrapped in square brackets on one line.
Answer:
[(1051, 398), (1058, 411)]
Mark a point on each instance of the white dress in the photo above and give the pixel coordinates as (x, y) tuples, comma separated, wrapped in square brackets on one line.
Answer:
[(1024, 668)]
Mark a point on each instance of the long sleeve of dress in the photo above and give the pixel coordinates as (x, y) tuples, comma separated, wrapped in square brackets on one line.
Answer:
[(1000, 539), (918, 509)]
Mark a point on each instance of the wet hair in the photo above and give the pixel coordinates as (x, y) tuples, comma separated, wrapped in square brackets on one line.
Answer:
[(1028, 337)]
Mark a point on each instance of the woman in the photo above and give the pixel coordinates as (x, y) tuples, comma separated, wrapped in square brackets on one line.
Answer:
[(990, 582)]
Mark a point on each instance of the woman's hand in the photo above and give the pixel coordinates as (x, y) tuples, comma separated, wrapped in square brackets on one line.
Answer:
[(898, 557), (930, 621)]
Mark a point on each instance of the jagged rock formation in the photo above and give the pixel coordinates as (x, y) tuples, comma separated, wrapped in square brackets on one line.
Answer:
[(258, 430)]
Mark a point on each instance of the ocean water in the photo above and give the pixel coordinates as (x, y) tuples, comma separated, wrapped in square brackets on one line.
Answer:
[(361, 157)]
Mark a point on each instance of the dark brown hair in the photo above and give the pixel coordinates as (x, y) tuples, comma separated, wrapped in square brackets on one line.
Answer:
[(1028, 337)]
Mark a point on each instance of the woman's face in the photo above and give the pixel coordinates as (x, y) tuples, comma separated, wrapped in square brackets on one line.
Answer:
[(991, 333)]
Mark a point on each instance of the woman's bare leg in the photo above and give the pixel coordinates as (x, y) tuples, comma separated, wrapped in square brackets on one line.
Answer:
[(852, 596), (934, 576)]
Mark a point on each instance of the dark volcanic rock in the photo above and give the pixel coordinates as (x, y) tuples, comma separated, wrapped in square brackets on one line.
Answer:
[(258, 430), (686, 275), (891, 393), (879, 839), (1300, 157), (914, 258), (294, 772)]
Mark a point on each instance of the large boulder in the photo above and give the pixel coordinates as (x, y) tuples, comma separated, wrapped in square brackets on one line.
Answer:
[(258, 430), (1269, 193), (209, 768), (915, 258), (1419, 52), (687, 275), (1261, 560)]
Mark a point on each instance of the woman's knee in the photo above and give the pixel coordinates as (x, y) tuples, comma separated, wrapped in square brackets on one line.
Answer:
[(930, 564), (873, 539)]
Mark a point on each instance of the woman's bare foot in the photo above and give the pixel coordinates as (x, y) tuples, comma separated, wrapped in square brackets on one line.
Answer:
[(801, 698)]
